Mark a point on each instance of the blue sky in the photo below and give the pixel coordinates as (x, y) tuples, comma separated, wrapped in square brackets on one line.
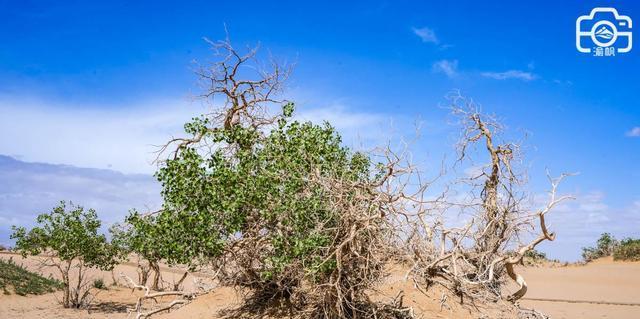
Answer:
[(96, 85)]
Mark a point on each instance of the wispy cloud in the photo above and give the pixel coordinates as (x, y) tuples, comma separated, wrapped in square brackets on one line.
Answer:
[(120, 137), (563, 82), (125, 137), (511, 74), (360, 129), (426, 34), (448, 67), (634, 132)]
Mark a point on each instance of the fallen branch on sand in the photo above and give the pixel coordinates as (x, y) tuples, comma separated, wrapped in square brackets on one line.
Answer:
[(181, 299)]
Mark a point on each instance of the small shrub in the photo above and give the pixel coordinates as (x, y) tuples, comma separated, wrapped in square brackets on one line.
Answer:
[(628, 249), (605, 246), (535, 255), (99, 284), (23, 282)]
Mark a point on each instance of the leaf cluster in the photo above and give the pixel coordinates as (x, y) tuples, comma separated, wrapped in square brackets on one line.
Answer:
[(253, 185)]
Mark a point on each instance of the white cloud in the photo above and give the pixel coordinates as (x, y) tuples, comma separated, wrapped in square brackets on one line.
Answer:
[(634, 132), (579, 223), (511, 74), (426, 34), (121, 137), (448, 67), (125, 137), (359, 130)]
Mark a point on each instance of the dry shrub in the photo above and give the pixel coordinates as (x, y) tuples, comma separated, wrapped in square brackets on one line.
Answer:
[(472, 259)]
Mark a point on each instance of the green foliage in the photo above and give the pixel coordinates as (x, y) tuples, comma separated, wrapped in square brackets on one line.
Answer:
[(139, 235), (22, 282), (99, 284), (69, 237), (605, 246), (254, 184), (70, 234), (628, 249), (535, 255)]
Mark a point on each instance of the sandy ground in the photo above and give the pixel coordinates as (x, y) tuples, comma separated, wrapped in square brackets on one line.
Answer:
[(603, 289)]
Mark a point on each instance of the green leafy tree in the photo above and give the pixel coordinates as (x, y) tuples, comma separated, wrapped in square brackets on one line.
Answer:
[(140, 235), (280, 207), (69, 238)]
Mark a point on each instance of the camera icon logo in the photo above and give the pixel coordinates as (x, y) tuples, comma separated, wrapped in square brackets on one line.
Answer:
[(604, 32)]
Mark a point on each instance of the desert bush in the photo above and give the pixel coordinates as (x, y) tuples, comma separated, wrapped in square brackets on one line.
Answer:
[(285, 211), (99, 284), (535, 255), (605, 246), (627, 249), (281, 213), (22, 281), (68, 238)]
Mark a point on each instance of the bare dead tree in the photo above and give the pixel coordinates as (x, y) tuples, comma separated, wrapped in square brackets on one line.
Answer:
[(248, 90), (471, 260)]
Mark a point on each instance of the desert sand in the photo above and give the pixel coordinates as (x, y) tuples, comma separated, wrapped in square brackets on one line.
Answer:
[(601, 289)]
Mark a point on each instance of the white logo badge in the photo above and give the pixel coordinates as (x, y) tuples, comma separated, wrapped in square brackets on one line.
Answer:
[(604, 32)]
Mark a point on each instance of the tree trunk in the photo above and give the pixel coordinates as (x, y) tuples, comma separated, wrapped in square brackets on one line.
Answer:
[(156, 275), (66, 293), (176, 286)]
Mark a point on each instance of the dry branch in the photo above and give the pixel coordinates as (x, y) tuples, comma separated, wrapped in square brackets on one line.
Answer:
[(471, 261), (181, 299)]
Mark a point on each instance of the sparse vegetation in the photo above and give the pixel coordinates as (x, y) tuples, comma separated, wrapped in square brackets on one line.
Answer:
[(607, 245), (16, 278), (628, 249), (535, 255), (99, 284), (292, 217)]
